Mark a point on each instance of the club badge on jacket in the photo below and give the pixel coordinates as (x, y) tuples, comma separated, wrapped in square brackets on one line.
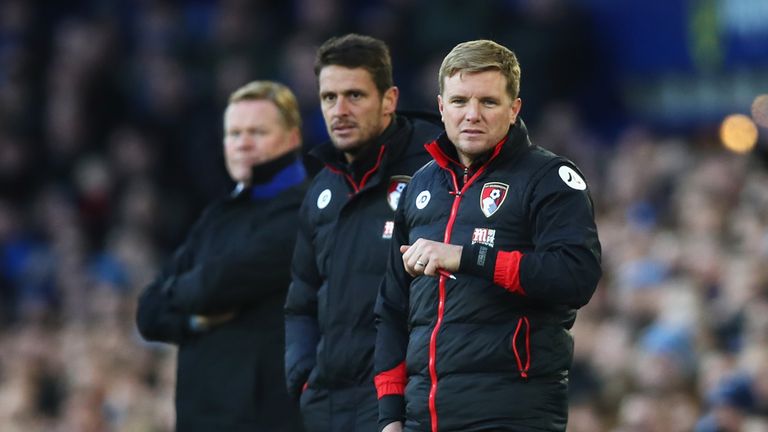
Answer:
[(492, 197), (396, 186)]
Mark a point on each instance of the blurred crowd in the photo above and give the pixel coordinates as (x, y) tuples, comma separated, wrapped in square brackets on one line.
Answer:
[(110, 144)]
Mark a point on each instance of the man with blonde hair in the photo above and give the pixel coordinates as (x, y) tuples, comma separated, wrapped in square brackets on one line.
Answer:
[(494, 249), (220, 297)]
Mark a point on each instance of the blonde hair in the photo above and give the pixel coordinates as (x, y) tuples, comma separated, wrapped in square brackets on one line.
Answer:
[(272, 91), (479, 56)]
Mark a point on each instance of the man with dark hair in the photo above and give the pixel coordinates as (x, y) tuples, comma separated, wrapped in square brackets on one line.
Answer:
[(345, 226), (486, 348), (220, 297)]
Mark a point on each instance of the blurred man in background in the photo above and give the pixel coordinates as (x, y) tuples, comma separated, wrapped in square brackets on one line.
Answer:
[(487, 348), (344, 233), (220, 297)]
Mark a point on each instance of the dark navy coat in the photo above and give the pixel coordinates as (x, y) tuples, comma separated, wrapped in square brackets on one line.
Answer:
[(345, 227), (235, 259)]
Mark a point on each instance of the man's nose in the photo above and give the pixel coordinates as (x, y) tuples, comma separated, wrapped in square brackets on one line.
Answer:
[(473, 111), (245, 141), (341, 108)]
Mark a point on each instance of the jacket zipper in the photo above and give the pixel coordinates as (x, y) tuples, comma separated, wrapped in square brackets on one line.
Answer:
[(440, 311), (358, 187), (523, 369), (441, 290)]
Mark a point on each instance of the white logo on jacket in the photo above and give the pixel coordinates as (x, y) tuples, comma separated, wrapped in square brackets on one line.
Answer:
[(423, 199), (389, 228), (324, 199), (572, 178), (484, 236)]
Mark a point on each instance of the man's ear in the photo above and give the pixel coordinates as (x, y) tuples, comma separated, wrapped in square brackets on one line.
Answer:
[(295, 138), (389, 100), (517, 104)]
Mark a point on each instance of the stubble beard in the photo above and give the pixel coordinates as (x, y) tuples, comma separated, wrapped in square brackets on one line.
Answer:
[(354, 148)]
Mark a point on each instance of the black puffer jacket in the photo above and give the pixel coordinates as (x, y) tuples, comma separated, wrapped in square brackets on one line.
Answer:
[(489, 350), (235, 260), (341, 252)]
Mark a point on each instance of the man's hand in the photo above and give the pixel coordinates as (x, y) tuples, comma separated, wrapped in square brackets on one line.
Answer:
[(426, 257), (205, 322), (393, 427)]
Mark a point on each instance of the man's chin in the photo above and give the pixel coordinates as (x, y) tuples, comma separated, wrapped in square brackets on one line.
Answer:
[(475, 146), (346, 144)]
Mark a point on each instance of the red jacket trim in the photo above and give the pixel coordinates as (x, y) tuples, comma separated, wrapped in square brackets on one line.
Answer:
[(358, 187), (444, 161)]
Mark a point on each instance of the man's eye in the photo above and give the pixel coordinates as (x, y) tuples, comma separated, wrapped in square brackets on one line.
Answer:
[(458, 101), (490, 103), (355, 95), (234, 134), (329, 98)]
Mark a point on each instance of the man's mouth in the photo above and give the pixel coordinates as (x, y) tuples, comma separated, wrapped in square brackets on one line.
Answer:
[(343, 128), (472, 132)]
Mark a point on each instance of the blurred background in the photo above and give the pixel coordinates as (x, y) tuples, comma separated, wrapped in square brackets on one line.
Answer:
[(110, 145)]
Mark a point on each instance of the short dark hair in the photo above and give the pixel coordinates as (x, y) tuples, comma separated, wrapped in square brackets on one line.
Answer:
[(358, 51)]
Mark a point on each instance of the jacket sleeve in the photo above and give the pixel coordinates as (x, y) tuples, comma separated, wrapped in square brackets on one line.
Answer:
[(302, 331), (156, 319), (391, 314), (253, 268), (564, 266)]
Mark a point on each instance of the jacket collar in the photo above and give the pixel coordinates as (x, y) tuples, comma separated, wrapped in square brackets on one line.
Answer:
[(272, 178), (513, 144), (375, 157)]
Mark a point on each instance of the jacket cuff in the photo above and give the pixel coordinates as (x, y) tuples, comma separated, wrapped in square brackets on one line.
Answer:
[(507, 271), (503, 268), (391, 409), (296, 384), (479, 260), (392, 381)]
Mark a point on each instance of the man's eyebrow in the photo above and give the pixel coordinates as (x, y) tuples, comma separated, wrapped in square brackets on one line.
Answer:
[(354, 90)]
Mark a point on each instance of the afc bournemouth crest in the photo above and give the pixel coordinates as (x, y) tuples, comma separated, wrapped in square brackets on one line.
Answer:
[(395, 189), (492, 196)]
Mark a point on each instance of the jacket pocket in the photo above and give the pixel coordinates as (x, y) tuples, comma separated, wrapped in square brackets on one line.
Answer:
[(521, 346)]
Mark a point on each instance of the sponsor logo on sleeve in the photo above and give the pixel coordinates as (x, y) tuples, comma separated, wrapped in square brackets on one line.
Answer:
[(572, 178), (324, 199), (423, 199)]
